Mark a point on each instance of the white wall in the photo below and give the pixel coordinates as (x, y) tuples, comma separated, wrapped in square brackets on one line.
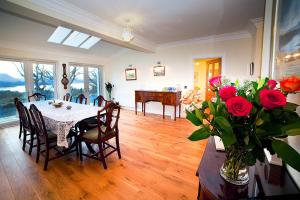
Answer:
[(235, 53)]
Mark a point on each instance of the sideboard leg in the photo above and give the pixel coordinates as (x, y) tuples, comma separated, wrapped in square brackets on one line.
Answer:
[(175, 113), (163, 111), (136, 108)]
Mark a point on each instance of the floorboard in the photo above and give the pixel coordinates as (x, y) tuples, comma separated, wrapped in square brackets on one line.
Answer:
[(158, 162)]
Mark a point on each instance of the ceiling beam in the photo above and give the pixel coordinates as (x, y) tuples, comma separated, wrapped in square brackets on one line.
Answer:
[(60, 13)]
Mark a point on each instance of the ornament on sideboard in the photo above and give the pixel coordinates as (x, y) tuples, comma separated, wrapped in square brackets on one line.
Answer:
[(65, 80)]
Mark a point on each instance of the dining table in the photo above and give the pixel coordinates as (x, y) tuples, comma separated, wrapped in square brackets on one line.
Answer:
[(60, 119)]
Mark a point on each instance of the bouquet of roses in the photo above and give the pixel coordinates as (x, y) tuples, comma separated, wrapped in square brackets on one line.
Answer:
[(250, 118)]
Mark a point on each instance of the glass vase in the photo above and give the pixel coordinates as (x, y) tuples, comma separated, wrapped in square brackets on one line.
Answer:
[(234, 170)]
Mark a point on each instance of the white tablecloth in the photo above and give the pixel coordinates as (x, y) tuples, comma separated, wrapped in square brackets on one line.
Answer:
[(61, 120)]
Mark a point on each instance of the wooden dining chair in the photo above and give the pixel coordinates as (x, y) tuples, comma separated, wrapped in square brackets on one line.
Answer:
[(102, 134), (16, 100), (100, 101), (68, 97), (37, 97), (45, 137), (27, 126), (81, 99)]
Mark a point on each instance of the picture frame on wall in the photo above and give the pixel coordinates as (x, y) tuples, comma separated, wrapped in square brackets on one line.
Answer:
[(130, 74), (286, 36), (159, 71)]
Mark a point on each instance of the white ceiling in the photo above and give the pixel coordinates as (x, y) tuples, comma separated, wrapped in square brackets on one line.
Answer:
[(23, 31), (163, 21)]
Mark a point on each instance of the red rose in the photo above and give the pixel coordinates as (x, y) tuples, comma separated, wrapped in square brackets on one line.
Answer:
[(271, 99), (291, 84), (227, 92), (238, 106), (272, 84), (215, 81)]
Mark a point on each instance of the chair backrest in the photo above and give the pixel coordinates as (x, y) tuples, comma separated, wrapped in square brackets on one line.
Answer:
[(101, 102), (68, 97), (24, 115), (37, 97), (81, 99), (112, 115), (39, 123)]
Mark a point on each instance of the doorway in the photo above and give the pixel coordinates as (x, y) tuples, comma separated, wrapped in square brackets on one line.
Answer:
[(204, 69)]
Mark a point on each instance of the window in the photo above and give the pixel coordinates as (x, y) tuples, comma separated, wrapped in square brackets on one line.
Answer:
[(43, 79), (76, 80), (85, 80), (94, 83), (12, 84), (72, 38)]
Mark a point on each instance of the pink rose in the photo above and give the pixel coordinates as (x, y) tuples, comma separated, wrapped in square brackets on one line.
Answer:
[(238, 106), (272, 84), (227, 92), (215, 81), (271, 99)]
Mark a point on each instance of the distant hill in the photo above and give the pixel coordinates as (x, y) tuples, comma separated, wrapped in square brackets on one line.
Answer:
[(8, 81)]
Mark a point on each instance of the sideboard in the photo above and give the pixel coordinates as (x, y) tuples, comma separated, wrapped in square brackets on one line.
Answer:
[(166, 98)]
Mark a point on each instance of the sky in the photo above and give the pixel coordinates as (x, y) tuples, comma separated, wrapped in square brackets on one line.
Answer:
[(9, 67)]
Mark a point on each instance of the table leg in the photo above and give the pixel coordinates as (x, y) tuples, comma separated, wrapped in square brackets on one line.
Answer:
[(163, 111), (179, 109), (144, 108), (175, 113)]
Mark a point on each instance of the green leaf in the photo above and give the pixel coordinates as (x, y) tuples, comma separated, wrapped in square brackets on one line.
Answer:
[(199, 115), (204, 105), (227, 136), (290, 106), (287, 153), (200, 134), (211, 108), (261, 83), (249, 159), (259, 122), (193, 118), (292, 129)]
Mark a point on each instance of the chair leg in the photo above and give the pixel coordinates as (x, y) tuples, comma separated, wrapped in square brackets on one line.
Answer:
[(76, 147), (46, 158), (31, 143), (80, 149), (118, 146), (38, 151), (24, 139), (102, 158), (20, 133)]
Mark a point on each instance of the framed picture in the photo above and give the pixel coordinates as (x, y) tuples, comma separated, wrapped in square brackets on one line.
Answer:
[(286, 37), (159, 71), (130, 74)]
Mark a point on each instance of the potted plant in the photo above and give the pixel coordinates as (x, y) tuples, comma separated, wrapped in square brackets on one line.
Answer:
[(249, 118), (108, 87)]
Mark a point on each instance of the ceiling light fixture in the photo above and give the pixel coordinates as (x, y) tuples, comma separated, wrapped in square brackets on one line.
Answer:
[(127, 34)]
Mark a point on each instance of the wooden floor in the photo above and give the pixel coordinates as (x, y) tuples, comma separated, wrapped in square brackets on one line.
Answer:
[(158, 162)]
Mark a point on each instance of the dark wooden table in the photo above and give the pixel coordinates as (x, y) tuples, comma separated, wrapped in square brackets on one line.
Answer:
[(166, 98), (213, 186)]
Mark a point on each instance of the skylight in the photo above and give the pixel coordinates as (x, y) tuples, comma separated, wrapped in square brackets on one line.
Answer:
[(73, 38), (59, 34), (90, 42)]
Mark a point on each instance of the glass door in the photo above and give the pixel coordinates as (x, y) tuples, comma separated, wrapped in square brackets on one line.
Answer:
[(76, 81), (94, 83), (12, 84), (43, 79), (85, 80)]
